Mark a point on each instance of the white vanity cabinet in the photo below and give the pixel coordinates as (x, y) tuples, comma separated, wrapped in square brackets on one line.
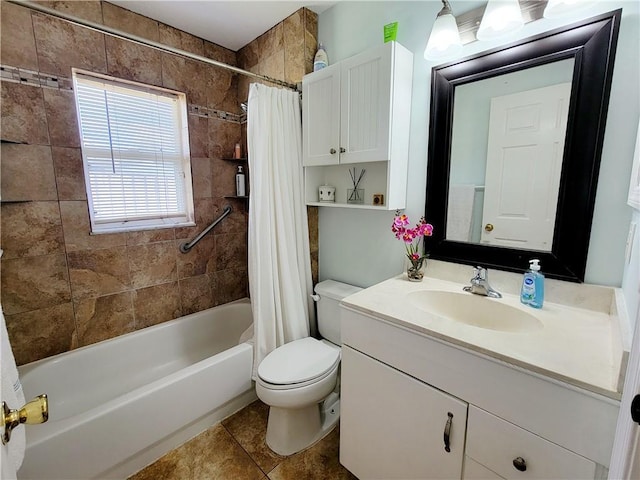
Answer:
[(396, 427), (356, 113), (397, 383)]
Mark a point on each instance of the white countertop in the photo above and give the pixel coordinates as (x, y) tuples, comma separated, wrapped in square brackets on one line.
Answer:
[(578, 346)]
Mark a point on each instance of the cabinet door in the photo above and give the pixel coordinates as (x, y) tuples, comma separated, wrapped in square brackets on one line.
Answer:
[(393, 426), (366, 106), (321, 117)]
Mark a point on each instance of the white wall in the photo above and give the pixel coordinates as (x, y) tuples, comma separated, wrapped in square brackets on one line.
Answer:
[(357, 247)]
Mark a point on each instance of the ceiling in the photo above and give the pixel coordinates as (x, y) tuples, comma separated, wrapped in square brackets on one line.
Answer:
[(231, 24)]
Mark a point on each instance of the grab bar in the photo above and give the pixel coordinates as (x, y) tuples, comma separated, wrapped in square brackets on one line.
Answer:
[(185, 247)]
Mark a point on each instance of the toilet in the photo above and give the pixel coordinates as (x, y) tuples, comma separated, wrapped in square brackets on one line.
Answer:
[(299, 380)]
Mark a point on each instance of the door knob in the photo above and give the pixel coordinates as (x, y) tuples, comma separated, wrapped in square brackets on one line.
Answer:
[(635, 409), (35, 411), (332, 151), (488, 227), (342, 150)]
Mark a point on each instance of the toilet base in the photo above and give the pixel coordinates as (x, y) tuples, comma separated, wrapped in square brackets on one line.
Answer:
[(291, 430)]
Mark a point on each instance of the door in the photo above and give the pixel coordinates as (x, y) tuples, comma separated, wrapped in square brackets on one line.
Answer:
[(524, 159), (625, 459), (366, 105), (393, 426), (321, 117)]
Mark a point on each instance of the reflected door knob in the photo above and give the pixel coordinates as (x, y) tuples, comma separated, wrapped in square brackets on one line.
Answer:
[(35, 411), (488, 227)]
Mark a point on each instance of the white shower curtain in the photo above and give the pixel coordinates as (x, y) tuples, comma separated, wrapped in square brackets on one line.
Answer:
[(279, 260)]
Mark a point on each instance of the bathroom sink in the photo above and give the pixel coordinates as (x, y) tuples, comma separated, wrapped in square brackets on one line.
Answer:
[(475, 310)]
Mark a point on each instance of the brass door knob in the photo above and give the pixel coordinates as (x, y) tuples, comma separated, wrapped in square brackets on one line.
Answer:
[(488, 227), (35, 411)]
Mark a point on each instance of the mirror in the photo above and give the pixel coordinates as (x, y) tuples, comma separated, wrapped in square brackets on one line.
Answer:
[(479, 193)]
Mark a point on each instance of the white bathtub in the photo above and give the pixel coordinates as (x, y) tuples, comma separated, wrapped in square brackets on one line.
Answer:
[(118, 405)]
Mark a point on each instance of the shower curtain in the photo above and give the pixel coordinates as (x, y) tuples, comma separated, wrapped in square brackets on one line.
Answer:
[(279, 260)]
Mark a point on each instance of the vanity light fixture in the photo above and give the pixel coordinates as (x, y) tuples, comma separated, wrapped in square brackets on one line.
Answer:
[(444, 40), (560, 8), (501, 18)]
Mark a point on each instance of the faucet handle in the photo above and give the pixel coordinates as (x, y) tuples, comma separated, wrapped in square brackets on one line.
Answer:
[(480, 273)]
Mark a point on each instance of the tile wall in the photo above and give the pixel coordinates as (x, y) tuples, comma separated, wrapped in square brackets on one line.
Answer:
[(62, 288)]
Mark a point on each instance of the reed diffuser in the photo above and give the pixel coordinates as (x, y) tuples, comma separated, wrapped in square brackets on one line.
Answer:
[(355, 194)]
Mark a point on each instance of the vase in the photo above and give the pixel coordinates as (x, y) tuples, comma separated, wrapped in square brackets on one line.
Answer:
[(415, 270)]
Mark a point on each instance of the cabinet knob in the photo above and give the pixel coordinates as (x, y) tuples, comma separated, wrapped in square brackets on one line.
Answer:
[(332, 151), (520, 464), (447, 433), (342, 150)]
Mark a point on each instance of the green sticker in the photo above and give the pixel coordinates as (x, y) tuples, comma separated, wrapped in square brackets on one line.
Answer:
[(390, 31)]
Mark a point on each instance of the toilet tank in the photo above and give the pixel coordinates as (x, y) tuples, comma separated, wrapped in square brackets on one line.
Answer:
[(329, 311)]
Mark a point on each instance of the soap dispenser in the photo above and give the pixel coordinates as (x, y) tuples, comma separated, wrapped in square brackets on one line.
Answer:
[(240, 184), (532, 292)]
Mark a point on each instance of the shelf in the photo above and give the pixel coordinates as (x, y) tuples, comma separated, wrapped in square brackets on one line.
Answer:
[(244, 197), (347, 205), (230, 159)]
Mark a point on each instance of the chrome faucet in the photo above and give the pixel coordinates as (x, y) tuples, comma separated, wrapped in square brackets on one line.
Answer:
[(480, 284)]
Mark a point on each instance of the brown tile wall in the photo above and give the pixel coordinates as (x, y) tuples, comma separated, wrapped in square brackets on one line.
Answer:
[(61, 287), (285, 52)]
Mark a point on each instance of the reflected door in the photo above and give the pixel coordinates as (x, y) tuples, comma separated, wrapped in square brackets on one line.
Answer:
[(524, 159)]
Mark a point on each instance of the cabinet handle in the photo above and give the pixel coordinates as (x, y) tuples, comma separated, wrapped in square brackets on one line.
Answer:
[(447, 433), (332, 151), (520, 464), (342, 150)]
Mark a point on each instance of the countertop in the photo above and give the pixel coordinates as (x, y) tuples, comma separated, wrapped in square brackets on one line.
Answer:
[(579, 346)]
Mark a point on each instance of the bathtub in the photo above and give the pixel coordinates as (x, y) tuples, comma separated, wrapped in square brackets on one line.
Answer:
[(118, 405)]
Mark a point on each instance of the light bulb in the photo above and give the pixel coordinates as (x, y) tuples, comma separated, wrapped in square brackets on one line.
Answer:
[(501, 18), (444, 40)]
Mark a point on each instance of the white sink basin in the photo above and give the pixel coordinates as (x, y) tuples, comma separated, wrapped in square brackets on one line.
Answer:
[(475, 310)]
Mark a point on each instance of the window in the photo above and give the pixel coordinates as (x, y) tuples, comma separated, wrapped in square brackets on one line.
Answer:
[(135, 150)]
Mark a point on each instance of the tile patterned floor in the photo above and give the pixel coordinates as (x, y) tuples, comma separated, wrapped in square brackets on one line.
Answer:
[(236, 450)]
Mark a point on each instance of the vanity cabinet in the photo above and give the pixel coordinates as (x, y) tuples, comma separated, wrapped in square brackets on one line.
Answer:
[(356, 113), (396, 427), (508, 422)]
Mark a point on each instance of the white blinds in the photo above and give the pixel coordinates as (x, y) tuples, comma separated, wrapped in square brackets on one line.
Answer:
[(135, 156)]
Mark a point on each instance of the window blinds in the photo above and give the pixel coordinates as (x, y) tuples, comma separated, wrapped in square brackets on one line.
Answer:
[(136, 163)]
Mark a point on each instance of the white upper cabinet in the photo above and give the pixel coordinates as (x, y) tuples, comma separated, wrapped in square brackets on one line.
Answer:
[(354, 112)]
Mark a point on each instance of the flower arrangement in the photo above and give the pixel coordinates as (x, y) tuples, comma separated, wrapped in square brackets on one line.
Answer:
[(411, 238)]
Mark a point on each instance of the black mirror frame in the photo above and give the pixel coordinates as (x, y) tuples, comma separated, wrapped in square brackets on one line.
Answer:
[(592, 43)]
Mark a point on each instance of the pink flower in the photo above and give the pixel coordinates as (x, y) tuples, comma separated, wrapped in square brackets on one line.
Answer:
[(409, 235)]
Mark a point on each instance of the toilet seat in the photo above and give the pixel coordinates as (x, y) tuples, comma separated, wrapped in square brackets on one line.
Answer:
[(298, 363)]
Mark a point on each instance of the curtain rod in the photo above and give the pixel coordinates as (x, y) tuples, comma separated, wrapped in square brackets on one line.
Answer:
[(149, 43)]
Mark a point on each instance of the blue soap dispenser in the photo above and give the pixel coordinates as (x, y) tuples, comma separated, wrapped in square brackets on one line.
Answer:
[(532, 292)]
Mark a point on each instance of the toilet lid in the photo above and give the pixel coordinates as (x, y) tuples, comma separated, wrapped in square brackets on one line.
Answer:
[(298, 361)]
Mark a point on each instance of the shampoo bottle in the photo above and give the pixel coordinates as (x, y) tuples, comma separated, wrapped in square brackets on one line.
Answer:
[(321, 60), (532, 293), (240, 185)]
